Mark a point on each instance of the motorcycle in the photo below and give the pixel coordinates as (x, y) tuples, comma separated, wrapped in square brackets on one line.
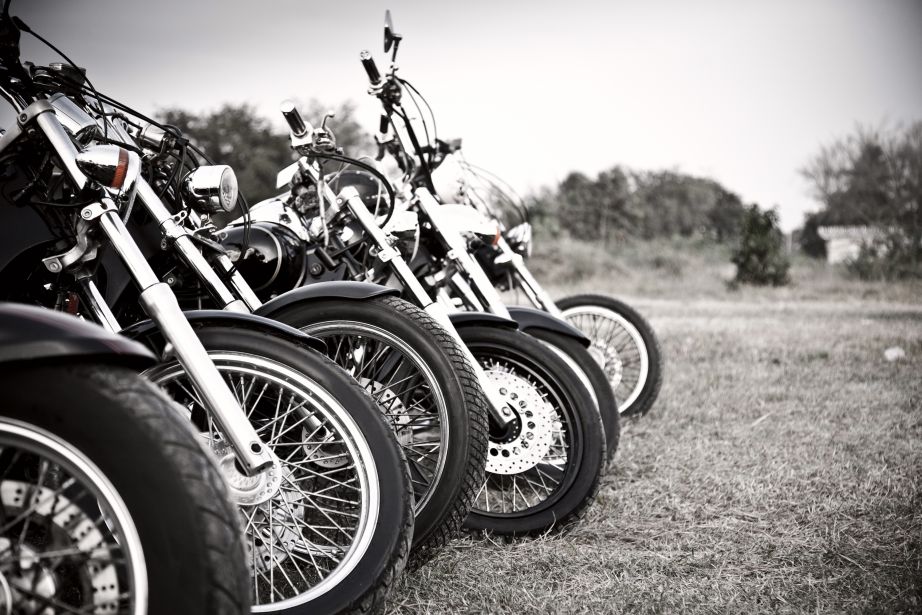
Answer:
[(308, 459), (414, 371), (108, 501), (444, 262), (622, 342), (546, 443)]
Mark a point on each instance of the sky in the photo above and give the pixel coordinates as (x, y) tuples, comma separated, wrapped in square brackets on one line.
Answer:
[(742, 91)]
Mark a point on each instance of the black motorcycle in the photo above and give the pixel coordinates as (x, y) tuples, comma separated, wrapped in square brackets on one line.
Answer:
[(413, 369), (546, 444), (316, 472), (108, 501)]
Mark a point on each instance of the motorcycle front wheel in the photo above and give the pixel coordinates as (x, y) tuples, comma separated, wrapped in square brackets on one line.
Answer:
[(108, 502), (593, 377), (429, 393), (328, 529), (543, 469), (624, 344)]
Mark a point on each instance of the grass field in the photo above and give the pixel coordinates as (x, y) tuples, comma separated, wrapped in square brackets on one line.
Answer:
[(781, 469)]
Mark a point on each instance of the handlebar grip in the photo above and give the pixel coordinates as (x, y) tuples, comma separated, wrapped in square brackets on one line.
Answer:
[(369, 63), (290, 111)]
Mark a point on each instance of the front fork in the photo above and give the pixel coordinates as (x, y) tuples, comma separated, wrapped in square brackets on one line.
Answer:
[(160, 303), (387, 254), (158, 300), (539, 297)]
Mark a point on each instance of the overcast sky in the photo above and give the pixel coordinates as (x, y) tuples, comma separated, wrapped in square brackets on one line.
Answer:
[(739, 90)]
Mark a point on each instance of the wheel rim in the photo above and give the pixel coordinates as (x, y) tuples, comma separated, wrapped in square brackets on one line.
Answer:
[(535, 488), (618, 347), (67, 541), (404, 387), (316, 526)]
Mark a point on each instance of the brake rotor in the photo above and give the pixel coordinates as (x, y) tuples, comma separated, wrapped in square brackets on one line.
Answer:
[(64, 526), (530, 438)]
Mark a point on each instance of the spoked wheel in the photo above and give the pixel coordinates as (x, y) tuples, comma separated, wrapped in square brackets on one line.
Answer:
[(64, 529), (108, 502), (543, 468), (429, 393), (321, 536), (624, 343), (593, 377)]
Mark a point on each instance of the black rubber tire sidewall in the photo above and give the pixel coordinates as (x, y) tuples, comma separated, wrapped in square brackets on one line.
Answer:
[(129, 429), (368, 583), (607, 406), (652, 386), (588, 439), (381, 312)]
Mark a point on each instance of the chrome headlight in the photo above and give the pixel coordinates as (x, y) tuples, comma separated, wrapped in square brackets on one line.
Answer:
[(211, 189), (519, 239)]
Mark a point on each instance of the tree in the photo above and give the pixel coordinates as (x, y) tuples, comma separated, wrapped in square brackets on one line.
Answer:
[(237, 136), (760, 257), (874, 177), (649, 204)]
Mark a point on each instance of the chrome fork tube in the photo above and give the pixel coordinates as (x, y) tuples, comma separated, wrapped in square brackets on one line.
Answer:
[(188, 251), (161, 304), (458, 252), (529, 285), (386, 253), (98, 306), (239, 284)]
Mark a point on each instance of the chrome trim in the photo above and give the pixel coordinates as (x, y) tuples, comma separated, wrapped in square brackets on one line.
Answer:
[(98, 306), (161, 304)]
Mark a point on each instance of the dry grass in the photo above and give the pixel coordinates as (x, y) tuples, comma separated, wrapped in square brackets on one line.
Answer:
[(781, 470)]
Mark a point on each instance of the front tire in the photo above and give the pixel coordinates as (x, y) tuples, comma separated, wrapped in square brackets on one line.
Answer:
[(575, 353), (336, 531), (172, 493), (624, 344), (437, 410), (544, 470)]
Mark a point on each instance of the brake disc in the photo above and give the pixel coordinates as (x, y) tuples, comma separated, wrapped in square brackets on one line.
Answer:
[(530, 438), (63, 525)]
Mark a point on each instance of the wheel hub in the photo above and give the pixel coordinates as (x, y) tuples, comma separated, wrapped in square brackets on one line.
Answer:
[(66, 526), (245, 490), (524, 446), (607, 358)]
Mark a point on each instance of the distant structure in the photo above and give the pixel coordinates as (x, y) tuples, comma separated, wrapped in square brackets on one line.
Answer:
[(843, 243)]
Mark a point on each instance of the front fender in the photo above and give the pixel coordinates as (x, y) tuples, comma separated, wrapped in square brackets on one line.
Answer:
[(29, 333), (530, 318), (148, 333), (461, 319), (348, 290)]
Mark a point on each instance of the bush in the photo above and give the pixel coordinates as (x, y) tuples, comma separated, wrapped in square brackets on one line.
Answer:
[(892, 257), (760, 258), (809, 238)]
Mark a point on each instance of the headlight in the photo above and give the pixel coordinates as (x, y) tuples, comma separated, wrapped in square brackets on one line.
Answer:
[(519, 239), (211, 188)]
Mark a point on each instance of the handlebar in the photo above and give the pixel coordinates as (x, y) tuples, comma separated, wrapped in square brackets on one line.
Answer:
[(370, 67), (293, 117)]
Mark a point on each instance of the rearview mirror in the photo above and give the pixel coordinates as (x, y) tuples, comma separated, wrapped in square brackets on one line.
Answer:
[(391, 38)]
